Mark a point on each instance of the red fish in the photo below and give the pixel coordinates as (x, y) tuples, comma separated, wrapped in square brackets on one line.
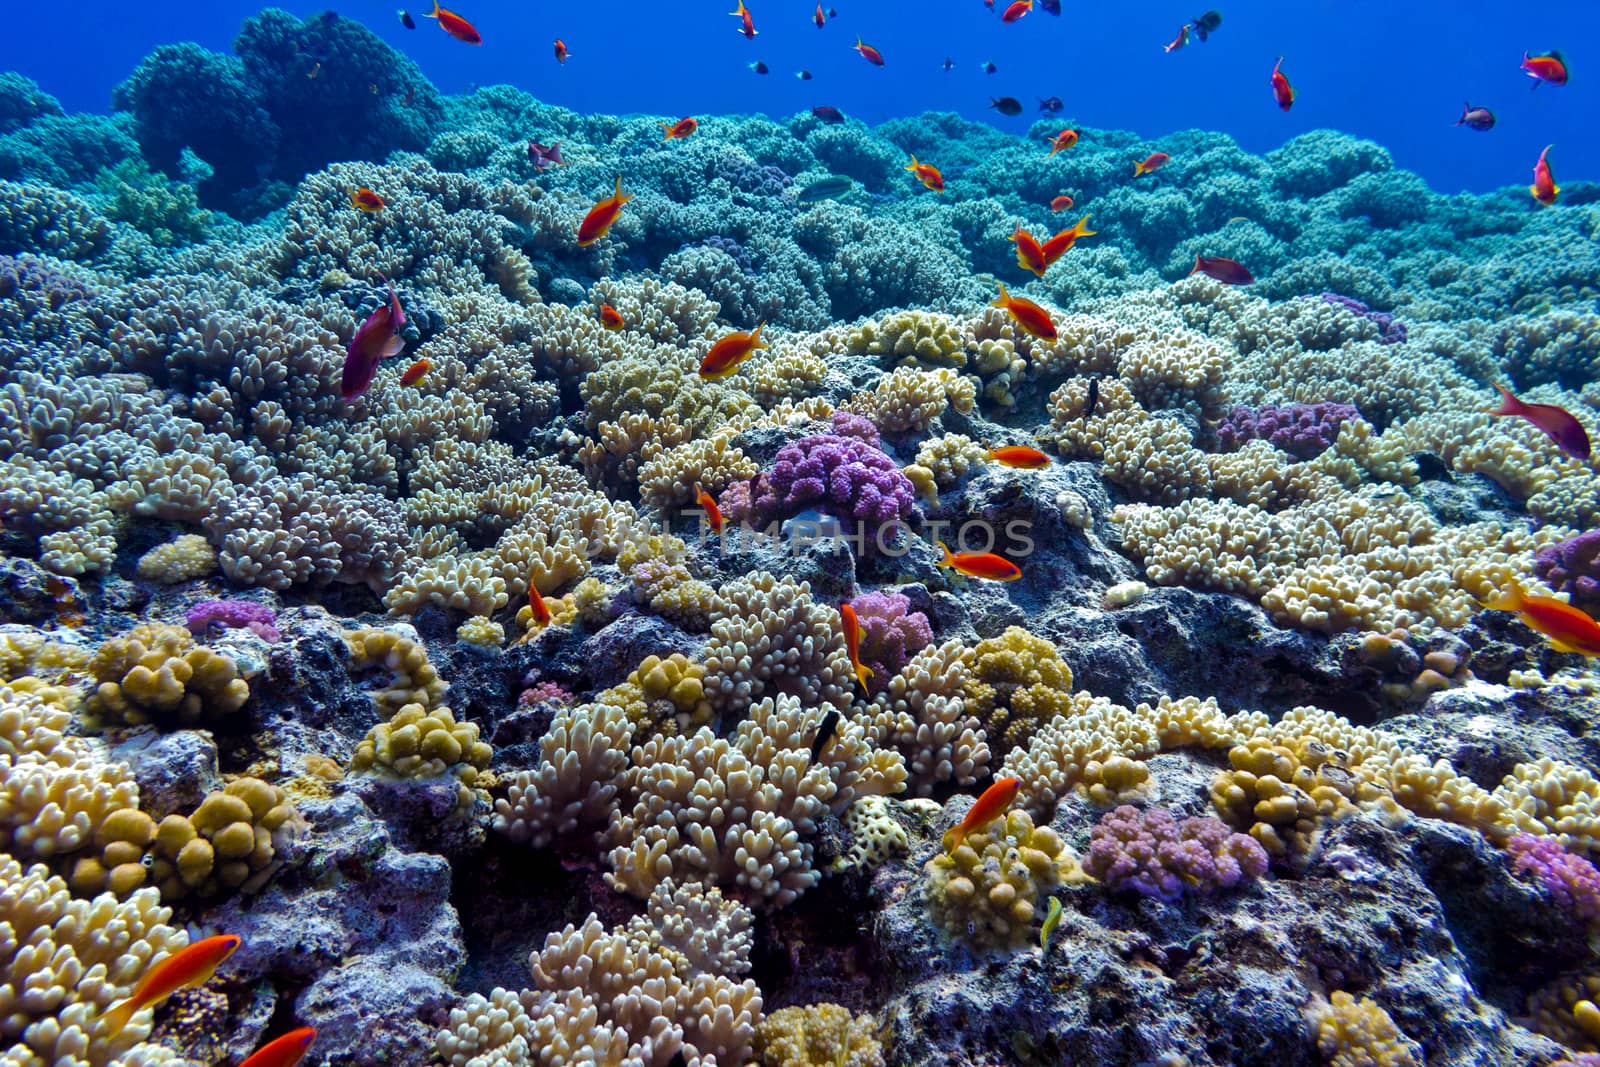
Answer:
[(1544, 187), (709, 506), (1151, 163), (819, 18), (1064, 139), (1030, 256), (611, 318), (285, 1051), (1061, 203), (1178, 41), (1030, 459), (1017, 9), (869, 53), (732, 350), (988, 807), (831, 115), (455, 25), (1030, 316), (747, 25), (1559, 424), (536, 604), (1282, 91), (980, 565), (597, 223), (562, 55), (1062, 243), (1228, 271), (1550, 67), (852, 644), (1569, 629), (376, 340), (414, 373), (927, 174), (366, 200), (186, 968), (680, 129)]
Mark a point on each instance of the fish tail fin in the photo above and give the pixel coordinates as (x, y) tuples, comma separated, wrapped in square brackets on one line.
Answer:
[(1510, 405), (1003, 299), (912, 166), (618, 193), (863, 672), (393, 347), (953, 838), (949, 560), (114, 1018), (755, 338), (1138, 168), (1082, 228), (435, 13), (1511, 598), (1196, 269)]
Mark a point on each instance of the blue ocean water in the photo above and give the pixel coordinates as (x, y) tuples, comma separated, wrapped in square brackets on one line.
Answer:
[(1397, 73)]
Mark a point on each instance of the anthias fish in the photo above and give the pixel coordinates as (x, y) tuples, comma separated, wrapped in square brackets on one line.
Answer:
[(852, 644), (542, 156), (984, 565), (989, 806), (869, 53), (188, 967), (1064, 202), (1544, 188), (1061, 243), (1227, 271), (1559, 424), (415, 373), (1063, 140), (597, 223), (611, 318), (1568, 628), (819, 17), (679, 130), (1030, 256), (1282, 91), (536, 605), (376, 339), (927, 174), (1022, 456), (1150, 164), (1178, 41), (285, 1051), (708, 505), (1030, 316), (747, 25), (562, 55), (730, 351), (455, 25), (1550, 67), (364, 199), (1016, 10), (831, 115), (1476, 118)]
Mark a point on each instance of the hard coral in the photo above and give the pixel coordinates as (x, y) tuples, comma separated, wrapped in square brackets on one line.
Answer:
[(1155, 855), (818, 1035), (1358, 1033), (890, 632), (234, 840), (1573, 566), (1303, 430), (844, 476), (1571, 881), (157, 674), (987, 891)]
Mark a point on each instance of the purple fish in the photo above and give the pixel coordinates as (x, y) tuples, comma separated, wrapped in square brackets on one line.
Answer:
[(375, 340), (1559, 424), (1476, 118), (545, 155)]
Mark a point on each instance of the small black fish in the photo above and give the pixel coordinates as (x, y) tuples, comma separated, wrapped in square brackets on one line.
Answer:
[(833, 12), (948, 65), (1051, 105), (831, 115), (1094, 397), (989, 67), (803, 75), (1006, 105), (825, 732), (759, 67), (1052, 7), (1206, 24), (406, 20)]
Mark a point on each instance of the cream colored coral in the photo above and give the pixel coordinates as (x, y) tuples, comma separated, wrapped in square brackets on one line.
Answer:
[(574, 789), (912, 337), (989, 889), (482, 631), (910, 399), (818, 1035), (950, 457), (876, 836), (767, 633), (1358, 1033), (922, 713), (156, 673), (410, 678), (1091, 744), (188, 556), (713, 463), (470, 585)]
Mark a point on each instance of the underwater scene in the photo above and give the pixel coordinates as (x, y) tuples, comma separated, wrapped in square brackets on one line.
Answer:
[(984, 533)]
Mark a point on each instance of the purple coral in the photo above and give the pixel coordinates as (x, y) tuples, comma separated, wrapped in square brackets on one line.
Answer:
[(1571, 566), (1390, 332), (544, 692), (1572, 881), (732, 247), (844, 476), (1302, 430), (849, 424), (233, 614), (890, 633), (1155, 855)]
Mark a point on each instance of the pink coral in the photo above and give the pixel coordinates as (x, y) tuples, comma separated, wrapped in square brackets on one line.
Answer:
[(890, 633), (1572, 881), (1155, 855)]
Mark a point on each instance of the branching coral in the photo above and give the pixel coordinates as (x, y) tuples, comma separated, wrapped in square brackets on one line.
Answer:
[(1155, 855), (157, 674)]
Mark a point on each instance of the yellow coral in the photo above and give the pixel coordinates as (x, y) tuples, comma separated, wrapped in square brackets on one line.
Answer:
[(1358, 1033), (234, 840), (818, 1035), (156, 673), (1017, 683), (400, 664), (986, 892), (189, 556), (678, 681)]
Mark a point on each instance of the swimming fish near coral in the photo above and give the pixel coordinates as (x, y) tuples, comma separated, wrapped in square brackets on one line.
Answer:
[(1030, 316), (542, 156), (988, 807), (1568, 628), (376, 339), (730, 351), (455, 25), (1178, 41), (832, 186), (597, 223), (1227, 271), (1282, 91), (1060, 244), (709, 506), (926, 173), (1006, 105), (1061, 203), (536, 605), (406, 20), (1151, 163), (852, 644), (416, 371), (1544, 188), (1052, 919), (1019, 456), (679, 130), (1030, 255), (1063, 140), (819, 17), (611, 318), (1093, 398), (1476, 118), (1051, 105), (831, 115), (985, 565), (188, 967), (1016, 10), (747, 25), (869, 53), (285, 1051), (1550, 67), (1559, 424), (364, 199), (825, 731)]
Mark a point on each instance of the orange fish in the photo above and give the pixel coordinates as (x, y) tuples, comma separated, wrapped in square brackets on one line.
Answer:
[(1030, 459), (1029, 255), (189, 967), (1568, 629), (988, 807), (852, 643), (1282, 91), (366, 200), (536, 604), (597, 223), (1152, 163), (1558, 423), (561, 51), (980, 565), (285, 1051), (731, 351), (611, 318), (747, 25), (1030, 316), (1063, 140), (819, 18), (455, 25), (1062, 243), (927, 174), (1550, 67), (680, 129), (414, 373), (1061, 203), (1544, 187), (709, 506), (869, 53), (1017, 9)]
